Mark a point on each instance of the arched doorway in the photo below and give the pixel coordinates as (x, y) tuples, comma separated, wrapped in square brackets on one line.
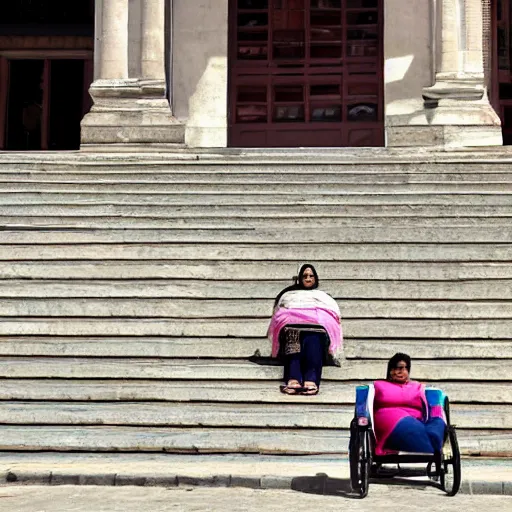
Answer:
[(306, 73), (46, 52)]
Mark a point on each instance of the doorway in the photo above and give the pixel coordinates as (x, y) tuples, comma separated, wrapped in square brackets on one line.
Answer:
[(44, 102), (46, 68), (306, 73)]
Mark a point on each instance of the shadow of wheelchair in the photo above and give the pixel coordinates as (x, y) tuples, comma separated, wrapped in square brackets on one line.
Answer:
[(322, 484)]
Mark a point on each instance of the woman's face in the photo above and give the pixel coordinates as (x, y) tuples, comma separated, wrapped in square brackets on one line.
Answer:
[(400, 373), (308, 278)]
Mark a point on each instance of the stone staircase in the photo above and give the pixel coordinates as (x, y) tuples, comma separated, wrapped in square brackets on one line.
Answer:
[(135, 293)]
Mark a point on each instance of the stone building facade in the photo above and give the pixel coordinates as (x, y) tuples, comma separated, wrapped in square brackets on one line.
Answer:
[(261, 73)]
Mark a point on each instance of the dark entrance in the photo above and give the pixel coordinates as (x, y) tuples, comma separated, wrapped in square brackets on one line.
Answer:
[(46, 69), (45, 104), (502, 65), (306, 73)]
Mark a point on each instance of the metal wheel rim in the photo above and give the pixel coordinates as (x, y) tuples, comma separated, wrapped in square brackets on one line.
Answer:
[(451, 471), (364, 465)]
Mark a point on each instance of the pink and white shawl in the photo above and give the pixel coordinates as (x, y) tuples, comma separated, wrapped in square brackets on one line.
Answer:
[(307, 307)]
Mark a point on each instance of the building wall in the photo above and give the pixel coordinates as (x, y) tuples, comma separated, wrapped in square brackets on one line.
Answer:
[(200, 73), (200, 70), (409, 60), (200, 65)]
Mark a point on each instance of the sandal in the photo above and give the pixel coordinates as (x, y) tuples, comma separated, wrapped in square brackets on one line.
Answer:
[(310, 388), (293, 387)]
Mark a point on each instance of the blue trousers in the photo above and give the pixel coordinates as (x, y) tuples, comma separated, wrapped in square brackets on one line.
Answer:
[(307, 365), (412, 435)]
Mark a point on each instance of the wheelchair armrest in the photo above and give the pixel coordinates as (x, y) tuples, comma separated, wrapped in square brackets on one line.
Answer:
[(364, 405), (437, 400)]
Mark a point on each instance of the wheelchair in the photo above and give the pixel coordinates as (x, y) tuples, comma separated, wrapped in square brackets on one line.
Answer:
[(364, 464)]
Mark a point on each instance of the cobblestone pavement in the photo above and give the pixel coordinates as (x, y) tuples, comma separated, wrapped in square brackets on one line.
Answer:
[(157, 499)]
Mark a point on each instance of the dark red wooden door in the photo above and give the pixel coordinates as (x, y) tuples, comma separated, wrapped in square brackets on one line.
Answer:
[(306, 73), (4, 84), (502, 65)]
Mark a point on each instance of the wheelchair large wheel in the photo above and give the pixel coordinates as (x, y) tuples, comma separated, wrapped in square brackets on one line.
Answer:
[(360, 461), (450, 476)]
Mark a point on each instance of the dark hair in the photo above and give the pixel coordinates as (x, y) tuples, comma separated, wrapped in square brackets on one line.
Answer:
[(399, 356)]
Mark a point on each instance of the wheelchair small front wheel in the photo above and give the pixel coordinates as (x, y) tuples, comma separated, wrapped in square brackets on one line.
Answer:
[(450, 474), (360, 462)]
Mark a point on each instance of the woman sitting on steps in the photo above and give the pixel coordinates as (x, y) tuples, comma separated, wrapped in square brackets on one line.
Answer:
[(305, 329)]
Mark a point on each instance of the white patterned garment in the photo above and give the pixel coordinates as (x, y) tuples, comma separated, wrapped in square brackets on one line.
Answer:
[(303, 299)]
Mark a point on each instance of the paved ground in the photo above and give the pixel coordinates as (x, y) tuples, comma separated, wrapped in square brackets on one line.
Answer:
[(159, 499)]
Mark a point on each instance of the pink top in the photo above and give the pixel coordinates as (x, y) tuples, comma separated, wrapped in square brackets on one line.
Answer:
[(319, 316), (394, 401)]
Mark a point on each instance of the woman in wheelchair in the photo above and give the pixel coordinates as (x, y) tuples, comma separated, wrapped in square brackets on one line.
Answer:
[(305, 329), (403, 420), (400, 421)]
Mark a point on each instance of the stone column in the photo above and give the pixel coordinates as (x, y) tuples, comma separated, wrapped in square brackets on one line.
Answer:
[(473, 61), (113, 62), (131, 113), (458, 99), (153, 28), (450, 36)]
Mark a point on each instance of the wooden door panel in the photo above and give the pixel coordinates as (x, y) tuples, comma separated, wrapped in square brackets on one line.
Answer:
[(45, 129), (308, 72), (4, 91), (502, 65)]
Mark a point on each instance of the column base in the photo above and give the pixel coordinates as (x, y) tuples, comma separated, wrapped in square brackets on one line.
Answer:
[(467, 89), (130, 115), (444, 137), (456, 114)]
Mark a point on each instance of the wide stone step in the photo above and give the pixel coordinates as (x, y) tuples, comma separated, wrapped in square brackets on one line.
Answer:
[(429, 348), (102, 274), (220, 327), (214, 440), (262, 391), (259, 187), (173, 289), (233, 348), (370, 234), (251, 415), (245, 308), (177, 199), (245, 271), (250, 175), (222, 369), (287, 211), (184, 414), (280, 255), (275, 159), (279, 223)]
